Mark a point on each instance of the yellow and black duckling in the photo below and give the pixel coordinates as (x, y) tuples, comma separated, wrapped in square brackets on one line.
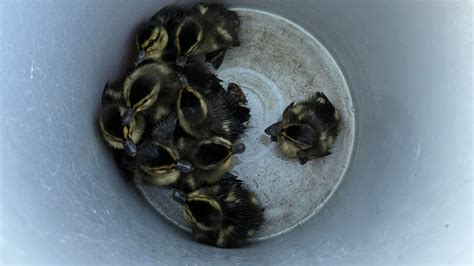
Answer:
[(151, 88), (308, 128), (216, 114), (118, 136), (224, 215), (156, 39), (211, 159), (210, 28), (158, 161)]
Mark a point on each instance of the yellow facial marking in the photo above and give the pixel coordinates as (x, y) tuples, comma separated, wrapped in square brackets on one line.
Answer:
[(205, 199), (288, 148), (148, 100), (189, 215), (193, 47), (183, 121), (169, 177), (155, 68), (138, 126), (147, 43), (125, 132), (221, 140)]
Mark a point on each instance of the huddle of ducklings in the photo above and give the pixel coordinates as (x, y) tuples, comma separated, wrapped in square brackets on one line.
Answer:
[(172, 124)]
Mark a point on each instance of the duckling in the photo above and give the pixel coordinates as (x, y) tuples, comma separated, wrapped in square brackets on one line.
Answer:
[(216, 114), (152, 88), (156, 39), (225, 215), (308, 128), (158, 162), (210, 28), (119, 136), (198, 74), (212, 159), (112, 94)]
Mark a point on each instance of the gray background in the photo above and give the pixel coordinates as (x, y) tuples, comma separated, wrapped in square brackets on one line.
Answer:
[(407, 196)]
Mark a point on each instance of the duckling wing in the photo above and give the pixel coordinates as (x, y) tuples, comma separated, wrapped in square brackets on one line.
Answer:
[(163, 130)]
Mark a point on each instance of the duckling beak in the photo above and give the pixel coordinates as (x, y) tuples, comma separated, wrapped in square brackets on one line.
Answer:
[(140, 57), (238, 148), (128, 116), (130, 147), (181, 61), (184, 166), (179, 197), (273, 130)]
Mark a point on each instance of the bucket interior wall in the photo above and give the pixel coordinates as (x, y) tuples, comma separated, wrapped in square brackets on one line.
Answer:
[(407, 194)]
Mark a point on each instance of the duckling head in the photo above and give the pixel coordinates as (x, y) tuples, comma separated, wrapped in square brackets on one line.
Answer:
[(162, 164), (200, 210), (188, 36), (192, 108), (235, 90), (292, 138), (151, 41), (274, 131), (140, 93), (301, 135), (117, 135), (216, 154)]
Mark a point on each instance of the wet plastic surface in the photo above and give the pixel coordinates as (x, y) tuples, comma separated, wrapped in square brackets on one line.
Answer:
[(407, 193)]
